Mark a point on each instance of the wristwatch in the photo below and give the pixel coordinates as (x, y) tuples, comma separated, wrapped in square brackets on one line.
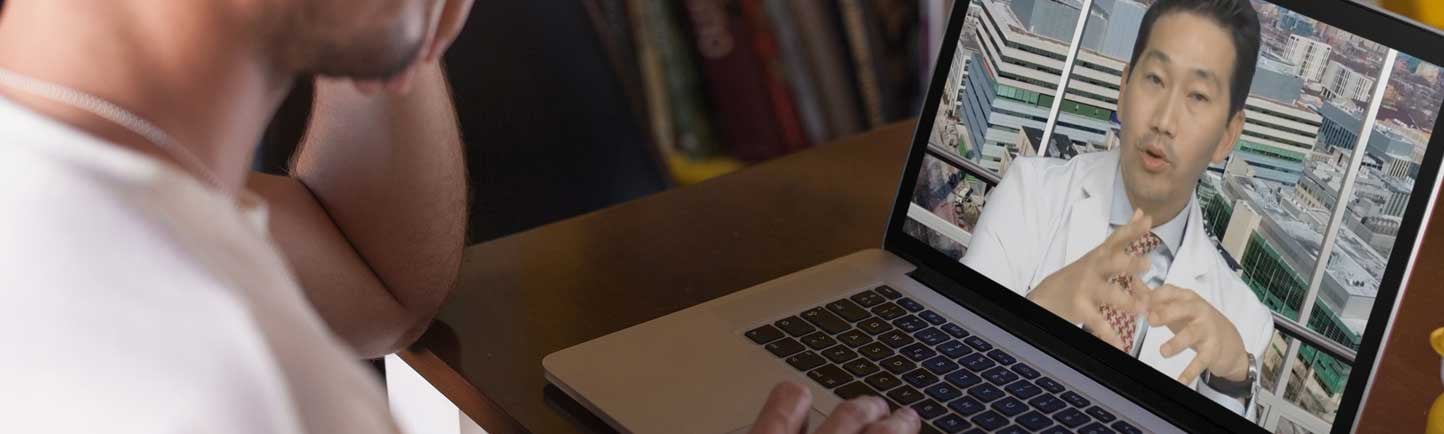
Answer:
[(1237, 389)]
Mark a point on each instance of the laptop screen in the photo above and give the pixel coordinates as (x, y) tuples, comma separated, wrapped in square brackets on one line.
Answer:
[(1272, 157)]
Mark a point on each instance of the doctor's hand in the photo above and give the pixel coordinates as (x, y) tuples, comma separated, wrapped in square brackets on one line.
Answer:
[(789, 404), (1197, 325), (1076, 291)]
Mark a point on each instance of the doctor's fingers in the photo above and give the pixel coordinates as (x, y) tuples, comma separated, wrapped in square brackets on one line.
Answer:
[(1138, 226), (1115, 262), (1203, 357), (1111, 294)]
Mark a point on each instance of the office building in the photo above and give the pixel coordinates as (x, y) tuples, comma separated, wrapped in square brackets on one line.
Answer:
[(1311, 55), (1342, 82)]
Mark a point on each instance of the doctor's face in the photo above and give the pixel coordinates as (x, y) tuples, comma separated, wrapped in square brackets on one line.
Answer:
[(1174, 107)]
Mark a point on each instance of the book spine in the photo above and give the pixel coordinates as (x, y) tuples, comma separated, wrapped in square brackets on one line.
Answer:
[(856, 24), (695, 136), (654, 81), (826, 53), (764, 39), (799, 72), (734, 77)]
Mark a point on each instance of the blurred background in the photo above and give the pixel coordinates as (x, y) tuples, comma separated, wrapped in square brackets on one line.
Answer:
[(569, 106)]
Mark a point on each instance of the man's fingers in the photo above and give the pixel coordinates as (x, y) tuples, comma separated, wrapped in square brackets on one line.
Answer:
[(1167, 307), (902, 421), (1139, 225), (851, 416), (1201, 360), (1188, 338), (785, 411)]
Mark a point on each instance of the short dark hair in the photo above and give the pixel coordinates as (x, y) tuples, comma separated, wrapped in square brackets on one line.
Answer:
[(1238, 19)]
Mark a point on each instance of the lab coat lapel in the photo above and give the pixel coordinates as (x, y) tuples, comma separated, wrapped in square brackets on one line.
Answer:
[(1088, 220)]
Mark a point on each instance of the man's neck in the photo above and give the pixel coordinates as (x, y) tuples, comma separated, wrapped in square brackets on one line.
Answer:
[(196, 76), (1162, 213)]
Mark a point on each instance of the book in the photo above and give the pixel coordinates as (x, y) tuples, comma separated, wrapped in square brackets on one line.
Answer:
[(692, 128), (826, 54), (735, 81), (654, 80), (784, 108), (798, 71), (858, 26), (884, 41)]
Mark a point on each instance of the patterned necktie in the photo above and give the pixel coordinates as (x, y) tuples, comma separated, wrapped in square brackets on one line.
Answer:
[(1124, 323)]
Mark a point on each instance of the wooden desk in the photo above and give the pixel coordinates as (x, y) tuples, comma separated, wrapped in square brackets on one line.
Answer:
[(533, 293)]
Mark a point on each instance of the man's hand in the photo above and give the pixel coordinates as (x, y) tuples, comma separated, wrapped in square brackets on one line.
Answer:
[(1076, 291), (447, 19), (1197, 325), (789, 404)]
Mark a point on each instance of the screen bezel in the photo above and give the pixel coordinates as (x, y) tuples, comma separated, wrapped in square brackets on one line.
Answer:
[(1124, 374)]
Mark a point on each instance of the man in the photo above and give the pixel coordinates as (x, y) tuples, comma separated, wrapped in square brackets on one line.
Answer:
[(142, 288), (1059, 232)]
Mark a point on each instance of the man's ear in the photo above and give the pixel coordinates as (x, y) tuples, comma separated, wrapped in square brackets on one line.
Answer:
[(1123, 89), (1230, 137)]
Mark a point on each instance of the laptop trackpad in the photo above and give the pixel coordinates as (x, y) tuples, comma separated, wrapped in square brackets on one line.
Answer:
[(814, 420)]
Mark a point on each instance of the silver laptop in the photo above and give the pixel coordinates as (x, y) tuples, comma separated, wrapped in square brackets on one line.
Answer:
[(1290, 192)]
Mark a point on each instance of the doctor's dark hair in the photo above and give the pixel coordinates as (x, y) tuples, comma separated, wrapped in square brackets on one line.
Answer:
[(1237, 18)]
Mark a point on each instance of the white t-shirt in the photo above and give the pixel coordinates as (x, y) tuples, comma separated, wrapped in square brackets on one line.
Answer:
[(134, 300)]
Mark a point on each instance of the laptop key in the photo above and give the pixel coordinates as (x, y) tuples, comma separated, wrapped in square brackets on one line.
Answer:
[(839, 354), (855, 389), (928, 409), (940, 365), (927, 428), (920, 378), (910, 323), (861, 368), (1072, 418), (932, 317), (1034, 420), (1055, 429), (1096, 428), (963, 379), (909, 304), (1100, 414), (1001, 357), (818, 340), (1075, 399), (882, 381), (1023, 389), (854, 338), (784, 347), (966, 406), (931, 336), (978, 343), (898, 365), (999, 376), (918, 352), (868, 299), (829, 376), (806, 360), (989, 420), (766, 333), (826, 320), (1009, 406), (887, 291), (795, 326), (1012, 429), (1047, 403), (1125, 428), (955, 330), (889, 311), (875, 326), (986, 392), (943, 392), (896, 339), (875, 351), (976, 362), (848, 310), (905, 395), (1025, 371), (954, 349), (1049, 385), (951, 423)]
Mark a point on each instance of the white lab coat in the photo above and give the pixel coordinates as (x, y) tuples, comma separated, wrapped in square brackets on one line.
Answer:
[(1046, 213)]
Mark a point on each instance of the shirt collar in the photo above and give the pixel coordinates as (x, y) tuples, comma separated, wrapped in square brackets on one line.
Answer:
[(1171, 232)]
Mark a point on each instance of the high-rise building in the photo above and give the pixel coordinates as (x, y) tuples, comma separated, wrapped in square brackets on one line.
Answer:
[(1311, 55), (1342, 82)]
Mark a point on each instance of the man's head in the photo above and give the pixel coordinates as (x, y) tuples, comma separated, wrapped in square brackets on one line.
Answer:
[(1182, 98), (363, 39)]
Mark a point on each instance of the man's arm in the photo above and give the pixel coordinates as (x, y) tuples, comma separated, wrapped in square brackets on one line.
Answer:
[(373, 216)]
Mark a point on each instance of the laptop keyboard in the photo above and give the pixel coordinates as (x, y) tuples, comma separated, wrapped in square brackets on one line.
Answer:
[(881, 343)]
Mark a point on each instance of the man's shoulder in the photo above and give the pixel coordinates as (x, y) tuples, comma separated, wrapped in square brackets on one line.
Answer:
[(1048, 168)]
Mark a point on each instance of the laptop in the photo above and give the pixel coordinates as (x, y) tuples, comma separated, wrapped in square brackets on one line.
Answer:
[(1290, 249)]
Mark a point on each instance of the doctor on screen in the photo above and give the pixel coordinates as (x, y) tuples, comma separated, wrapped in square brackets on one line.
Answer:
[(1065, 233)]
